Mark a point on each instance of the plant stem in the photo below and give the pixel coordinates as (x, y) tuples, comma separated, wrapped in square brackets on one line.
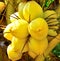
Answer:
[(52, 44)]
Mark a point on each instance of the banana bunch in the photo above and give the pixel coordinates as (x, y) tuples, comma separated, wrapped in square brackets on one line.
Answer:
[(28, 31), (17, 33), (53, 24)]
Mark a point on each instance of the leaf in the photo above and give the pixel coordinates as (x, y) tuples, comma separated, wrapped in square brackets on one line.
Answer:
[(9, 10), (56, 50), (48, 2)]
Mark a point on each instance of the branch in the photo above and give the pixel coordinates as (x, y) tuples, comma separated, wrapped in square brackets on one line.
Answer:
[(52, 44)]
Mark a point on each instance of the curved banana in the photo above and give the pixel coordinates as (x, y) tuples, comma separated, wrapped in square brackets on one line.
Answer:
[(20, 9), (52, 32), (7, 32), (53, 22), (54, 27), (12, 54), (50, 14), (40, 58)]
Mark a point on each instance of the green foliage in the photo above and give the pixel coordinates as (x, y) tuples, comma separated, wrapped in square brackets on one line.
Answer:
[(48, 2), (56, 50)]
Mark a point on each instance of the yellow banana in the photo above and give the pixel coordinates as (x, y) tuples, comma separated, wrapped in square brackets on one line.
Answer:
[(52, 32), (40, 58), (52, 20), (29, 13), (50, 14), (20, 9), (38, 28), (32, 54), (54, 27), (53, 23), (12, 54), (37, 46), (19, 45), (19, 28), (7, 32)]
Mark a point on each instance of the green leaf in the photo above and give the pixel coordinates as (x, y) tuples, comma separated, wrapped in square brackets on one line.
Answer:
[(48, 2), (56, 50)]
